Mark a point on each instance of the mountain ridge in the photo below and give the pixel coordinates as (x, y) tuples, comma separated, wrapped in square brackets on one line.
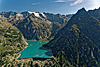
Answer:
[(33, 19), (78, 39), (75, 44)]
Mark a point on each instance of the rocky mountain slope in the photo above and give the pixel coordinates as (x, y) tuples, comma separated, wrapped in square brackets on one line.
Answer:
[(77, 44), (35, 25), (35, 28), (11, 16), (80, 40), (11, 43), (95, 13)]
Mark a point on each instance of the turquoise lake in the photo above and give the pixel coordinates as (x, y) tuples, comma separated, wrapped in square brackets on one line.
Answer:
[(33, 50)]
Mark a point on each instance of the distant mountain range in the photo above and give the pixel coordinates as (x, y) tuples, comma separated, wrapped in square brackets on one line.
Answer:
[(35, 25)]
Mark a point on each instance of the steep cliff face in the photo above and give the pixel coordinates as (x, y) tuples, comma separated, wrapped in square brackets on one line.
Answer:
[(79, 39)]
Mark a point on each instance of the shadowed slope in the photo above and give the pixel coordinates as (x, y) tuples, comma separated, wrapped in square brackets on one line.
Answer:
[(79, 40)]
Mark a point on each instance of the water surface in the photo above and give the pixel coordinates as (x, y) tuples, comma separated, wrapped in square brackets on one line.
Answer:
[(33, 50)]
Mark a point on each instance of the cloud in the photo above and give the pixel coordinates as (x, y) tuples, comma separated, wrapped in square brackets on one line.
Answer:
[(63, 0), (60, 1), (36, 3), (76, 2), (71, 0)]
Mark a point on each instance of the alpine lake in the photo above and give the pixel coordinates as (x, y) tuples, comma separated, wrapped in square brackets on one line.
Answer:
[(35, 49)]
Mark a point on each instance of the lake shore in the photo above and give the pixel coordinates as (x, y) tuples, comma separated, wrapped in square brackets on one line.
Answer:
[(35, 51), (22, 50), (38, 40)]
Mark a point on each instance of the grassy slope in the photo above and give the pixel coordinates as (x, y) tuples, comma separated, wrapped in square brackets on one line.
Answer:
[(11, 43)]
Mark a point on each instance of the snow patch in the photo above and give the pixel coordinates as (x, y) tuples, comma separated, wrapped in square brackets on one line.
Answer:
[(30, 12), (43, 14), (0, 16), (19, 15), (37, 14)]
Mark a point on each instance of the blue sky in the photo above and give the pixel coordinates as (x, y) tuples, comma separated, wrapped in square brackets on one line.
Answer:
[(51, 6)]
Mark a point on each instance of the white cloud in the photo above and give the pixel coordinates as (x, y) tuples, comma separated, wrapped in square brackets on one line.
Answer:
[(71, 0), (60, 1), (36, 3), (63, 0), (76, 2)]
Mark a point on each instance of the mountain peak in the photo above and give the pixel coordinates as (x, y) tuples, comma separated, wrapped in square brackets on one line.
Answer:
[(82, 12), (83, 9)]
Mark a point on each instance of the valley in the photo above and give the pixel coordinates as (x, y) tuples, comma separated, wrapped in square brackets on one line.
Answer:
[(73, 39)]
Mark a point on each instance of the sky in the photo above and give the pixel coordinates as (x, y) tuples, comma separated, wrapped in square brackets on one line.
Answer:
[(50, 6)]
